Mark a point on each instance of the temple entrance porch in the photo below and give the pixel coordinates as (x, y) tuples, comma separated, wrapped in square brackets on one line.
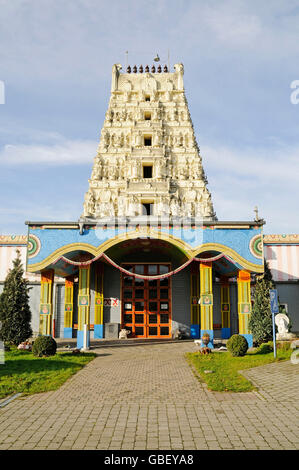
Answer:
[(151, 299)]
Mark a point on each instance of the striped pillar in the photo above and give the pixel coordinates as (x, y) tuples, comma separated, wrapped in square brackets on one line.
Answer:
[(99, 302), (46, 302), (68, 307), (225, 308), (83, 304), (194, 305), (206, 301), (244, 305)]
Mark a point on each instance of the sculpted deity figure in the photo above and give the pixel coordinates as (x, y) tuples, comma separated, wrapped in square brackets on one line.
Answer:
[(97, 170), (179, 68), (174, 207), (119, 141), (188, 209), (105, 196), (162, 206), (123, 115), (190, 195), (121, 206), (133, 208), (149, 82), (157, 139), (115, 75), (138, 139), (156, 114), (89, 204), (182, 172), (104, 142)]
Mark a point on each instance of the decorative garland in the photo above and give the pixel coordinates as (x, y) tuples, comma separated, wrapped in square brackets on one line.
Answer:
[(141, 276)]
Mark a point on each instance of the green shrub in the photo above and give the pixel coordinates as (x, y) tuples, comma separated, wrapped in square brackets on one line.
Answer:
[(266, 348), (44, 346), (237, 345)]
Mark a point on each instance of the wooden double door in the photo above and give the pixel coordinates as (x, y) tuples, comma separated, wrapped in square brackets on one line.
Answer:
[(146, 304)]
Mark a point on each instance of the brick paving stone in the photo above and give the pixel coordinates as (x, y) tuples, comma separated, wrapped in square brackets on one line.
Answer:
[(147, 397)]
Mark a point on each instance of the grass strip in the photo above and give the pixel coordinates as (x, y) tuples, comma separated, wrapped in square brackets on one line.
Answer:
[(24, 373), (225, 375)]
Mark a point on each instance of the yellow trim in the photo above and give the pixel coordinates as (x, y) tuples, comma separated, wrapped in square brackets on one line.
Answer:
[(206, 287), (184, 247), (84, 289), (229, 252), (99, 296)]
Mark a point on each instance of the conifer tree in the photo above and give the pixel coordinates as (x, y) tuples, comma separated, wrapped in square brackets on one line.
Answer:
[(15, 313), (260, 322)]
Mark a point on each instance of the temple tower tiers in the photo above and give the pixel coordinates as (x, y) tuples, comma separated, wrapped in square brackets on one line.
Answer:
[(148, 161)]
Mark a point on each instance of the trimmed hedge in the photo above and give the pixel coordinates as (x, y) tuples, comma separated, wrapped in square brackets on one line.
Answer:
[(44, 346), (237, 345), (266, 348)]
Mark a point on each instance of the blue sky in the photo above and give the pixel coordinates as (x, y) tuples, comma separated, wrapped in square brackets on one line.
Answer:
[(240, 59)]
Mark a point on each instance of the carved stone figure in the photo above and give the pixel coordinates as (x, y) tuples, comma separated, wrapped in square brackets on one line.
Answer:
[(115, 74), (138, 139), (89, 204)]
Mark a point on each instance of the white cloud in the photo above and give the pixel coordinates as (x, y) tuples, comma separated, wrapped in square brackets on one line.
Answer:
[(232, 26), (240, 179), (66, 152)]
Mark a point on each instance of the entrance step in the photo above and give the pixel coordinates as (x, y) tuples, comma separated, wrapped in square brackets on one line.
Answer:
[(96, 343)]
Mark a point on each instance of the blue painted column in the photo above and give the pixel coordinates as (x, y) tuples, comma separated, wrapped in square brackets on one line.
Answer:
[(225, 308)]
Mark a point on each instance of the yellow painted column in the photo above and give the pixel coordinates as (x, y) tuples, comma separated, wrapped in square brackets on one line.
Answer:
[(206, 301), (83, 303), (194, 305), (68, 307), (225, 308), (244, 305), (46, 302), (99, 301)]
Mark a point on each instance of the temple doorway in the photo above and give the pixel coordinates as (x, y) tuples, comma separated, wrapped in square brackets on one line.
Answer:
[(146, 303)]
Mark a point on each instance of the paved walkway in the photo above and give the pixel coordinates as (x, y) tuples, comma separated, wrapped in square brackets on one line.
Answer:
[(147, 397)]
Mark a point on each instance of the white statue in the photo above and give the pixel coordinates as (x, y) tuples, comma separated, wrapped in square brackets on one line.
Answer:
[(115, 74), (138, 139), (282, 321), (179, 68)]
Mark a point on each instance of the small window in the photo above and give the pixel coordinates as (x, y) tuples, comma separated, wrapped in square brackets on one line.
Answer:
[(147, 171), (147, 116), (147, 208), (147, 98), (147, 141)]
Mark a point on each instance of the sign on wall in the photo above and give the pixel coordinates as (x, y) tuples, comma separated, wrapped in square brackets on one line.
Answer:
[(111, 302)]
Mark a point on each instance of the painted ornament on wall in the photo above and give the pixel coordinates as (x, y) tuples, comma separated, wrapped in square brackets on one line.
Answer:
[(34, 246), (256, 246)]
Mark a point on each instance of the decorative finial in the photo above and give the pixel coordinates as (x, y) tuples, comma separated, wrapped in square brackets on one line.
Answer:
[(256, 214), (153, 69), (146, 68), (157, 58), (135, 69), (141, 69)]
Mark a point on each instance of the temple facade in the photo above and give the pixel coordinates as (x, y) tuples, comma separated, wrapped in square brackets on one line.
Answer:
[(148, 253)]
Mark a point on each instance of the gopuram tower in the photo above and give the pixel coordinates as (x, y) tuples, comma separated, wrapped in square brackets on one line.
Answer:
[(148, 161)]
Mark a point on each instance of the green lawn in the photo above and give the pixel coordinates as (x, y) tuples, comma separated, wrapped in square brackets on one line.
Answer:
[(23, 372), (225, 376)]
